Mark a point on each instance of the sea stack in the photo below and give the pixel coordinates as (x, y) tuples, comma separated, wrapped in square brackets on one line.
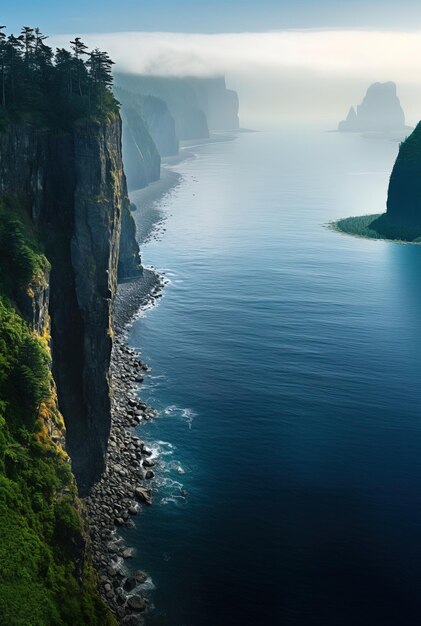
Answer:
[(404, 195), (379, 111)]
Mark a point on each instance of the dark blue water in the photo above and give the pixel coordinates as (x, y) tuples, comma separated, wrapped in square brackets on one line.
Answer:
[(286, 365)]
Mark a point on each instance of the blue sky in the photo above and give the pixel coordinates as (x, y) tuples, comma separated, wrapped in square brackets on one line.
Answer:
[(72, 16)]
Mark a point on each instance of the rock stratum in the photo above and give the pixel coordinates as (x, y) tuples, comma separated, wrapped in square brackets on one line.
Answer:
[(379, 111)]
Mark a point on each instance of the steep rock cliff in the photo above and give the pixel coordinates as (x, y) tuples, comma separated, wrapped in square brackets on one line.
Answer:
[(220, 105), (141, 158), (129, 265), (74, 184), (159, 122), (404, 195), (161, 125), (179, 96), (46, 576)]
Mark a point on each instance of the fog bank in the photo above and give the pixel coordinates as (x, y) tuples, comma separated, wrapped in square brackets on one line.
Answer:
[(283, 77)]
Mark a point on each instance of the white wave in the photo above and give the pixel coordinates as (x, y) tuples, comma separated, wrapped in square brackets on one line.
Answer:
[(166, 444), (186, 414), (173, 500), (174, 466), (170, 483), (170, 410), (189, 416)]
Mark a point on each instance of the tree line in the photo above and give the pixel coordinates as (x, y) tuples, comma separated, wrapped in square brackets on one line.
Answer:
[(59, 86)]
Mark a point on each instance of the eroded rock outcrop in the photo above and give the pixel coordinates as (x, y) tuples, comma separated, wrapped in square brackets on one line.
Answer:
[(379, 111)]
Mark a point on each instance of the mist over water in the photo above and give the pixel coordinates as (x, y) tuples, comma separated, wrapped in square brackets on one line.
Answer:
[(285, 77), (285, 366)]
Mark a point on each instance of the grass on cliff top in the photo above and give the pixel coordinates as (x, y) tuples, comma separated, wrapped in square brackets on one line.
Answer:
[(42, 531), (377, 226)]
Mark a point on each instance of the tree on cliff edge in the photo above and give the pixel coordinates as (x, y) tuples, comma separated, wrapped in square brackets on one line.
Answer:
[(33, 77)]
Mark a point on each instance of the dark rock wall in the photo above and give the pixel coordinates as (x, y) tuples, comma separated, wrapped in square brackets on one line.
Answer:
[(404, 195), (129, 265), (75, 187)]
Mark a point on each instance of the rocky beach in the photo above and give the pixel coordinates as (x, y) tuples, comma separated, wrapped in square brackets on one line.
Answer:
[(124, 487)]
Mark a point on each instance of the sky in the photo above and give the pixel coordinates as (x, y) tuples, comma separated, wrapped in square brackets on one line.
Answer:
[(58, 16), (292, 61)]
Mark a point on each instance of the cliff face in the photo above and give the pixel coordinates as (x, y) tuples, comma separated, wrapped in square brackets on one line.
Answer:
[(404, 195), (179, 96), (379, 111), (141, 158), (74, 184), (161, 125), (219, 104), (129, 265), (154, 112), (196, 105)]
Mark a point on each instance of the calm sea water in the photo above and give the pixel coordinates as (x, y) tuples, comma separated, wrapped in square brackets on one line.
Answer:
[(286, 366)]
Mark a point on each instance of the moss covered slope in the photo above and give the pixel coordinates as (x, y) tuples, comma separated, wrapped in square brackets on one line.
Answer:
[(45, 577)]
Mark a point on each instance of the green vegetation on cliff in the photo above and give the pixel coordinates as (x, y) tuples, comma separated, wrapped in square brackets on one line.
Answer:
[(21, 260), (45, 578), (410, 148), (50, 88), (378, 226)]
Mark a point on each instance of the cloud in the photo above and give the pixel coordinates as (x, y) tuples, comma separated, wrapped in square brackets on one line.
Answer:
[(282, 76), (329, 52)]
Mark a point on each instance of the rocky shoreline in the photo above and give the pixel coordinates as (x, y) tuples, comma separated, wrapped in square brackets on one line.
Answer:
[(123, 489)]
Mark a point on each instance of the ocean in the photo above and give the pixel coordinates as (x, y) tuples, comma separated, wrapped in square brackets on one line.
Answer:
[(285, 366)]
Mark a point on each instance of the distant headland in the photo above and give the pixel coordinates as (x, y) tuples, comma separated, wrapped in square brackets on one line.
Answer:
[(402, 220)]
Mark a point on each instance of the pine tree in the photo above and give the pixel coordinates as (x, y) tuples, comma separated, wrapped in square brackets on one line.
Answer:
[(60, 87), (79, 50)]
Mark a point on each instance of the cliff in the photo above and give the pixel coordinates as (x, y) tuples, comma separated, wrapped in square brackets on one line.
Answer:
[(66, 234), (46, 577), (141, 158), (74, 186), (404, 195), (179, 96), (379, 111), (196, 105), (220, 105), (154, 112)]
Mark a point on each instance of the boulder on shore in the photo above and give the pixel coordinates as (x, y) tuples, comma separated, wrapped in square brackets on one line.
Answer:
[(144, 495)]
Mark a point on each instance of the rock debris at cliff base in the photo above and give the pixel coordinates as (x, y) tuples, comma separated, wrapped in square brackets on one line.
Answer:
[(123, 489)]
